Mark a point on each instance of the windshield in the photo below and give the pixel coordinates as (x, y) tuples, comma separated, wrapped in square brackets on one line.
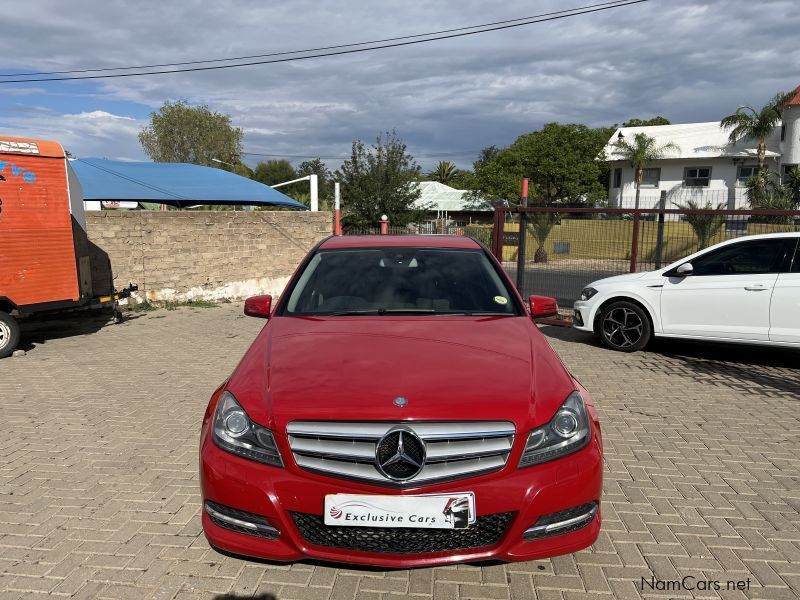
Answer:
[(379, 281)]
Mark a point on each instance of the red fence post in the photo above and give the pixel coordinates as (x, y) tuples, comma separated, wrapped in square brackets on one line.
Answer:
[(635, 241), (337, 212), (498, 230), (384, 225)]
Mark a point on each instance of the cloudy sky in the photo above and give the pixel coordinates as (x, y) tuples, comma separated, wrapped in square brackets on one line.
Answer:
[(689, 60)]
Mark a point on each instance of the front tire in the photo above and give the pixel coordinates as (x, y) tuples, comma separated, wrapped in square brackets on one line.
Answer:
[(625, 327), (9, 334)]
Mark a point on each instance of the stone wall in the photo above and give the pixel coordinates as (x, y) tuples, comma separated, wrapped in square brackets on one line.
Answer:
[(210, 255)]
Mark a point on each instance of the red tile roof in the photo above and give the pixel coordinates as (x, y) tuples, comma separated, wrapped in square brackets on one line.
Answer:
[(794, 100)]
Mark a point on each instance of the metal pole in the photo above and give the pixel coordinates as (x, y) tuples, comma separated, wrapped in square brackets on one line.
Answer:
[(312, 179), (662, 204), (523, 226), (635, 241), (337, 213)]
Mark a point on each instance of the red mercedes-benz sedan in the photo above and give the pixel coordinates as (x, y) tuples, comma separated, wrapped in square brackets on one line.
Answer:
[(400, 408)]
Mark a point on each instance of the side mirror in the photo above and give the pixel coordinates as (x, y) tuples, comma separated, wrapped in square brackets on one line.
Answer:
[(542, 307), (684, 270), (258, 306)]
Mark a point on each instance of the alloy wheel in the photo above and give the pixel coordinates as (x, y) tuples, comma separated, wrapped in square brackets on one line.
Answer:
[(623, 327)]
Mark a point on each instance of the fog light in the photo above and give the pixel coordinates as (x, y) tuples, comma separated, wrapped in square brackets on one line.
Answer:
[(240, 521), (578, 318), (565, 521)]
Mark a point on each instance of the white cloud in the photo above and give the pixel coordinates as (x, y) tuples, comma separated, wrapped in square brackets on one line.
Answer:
[(685, 59), (94, 133)]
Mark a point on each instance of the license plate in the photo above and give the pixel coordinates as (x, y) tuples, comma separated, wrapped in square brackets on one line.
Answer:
[(428, 511)]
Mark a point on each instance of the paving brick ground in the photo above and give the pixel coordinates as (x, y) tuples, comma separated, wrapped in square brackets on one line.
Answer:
[(99, 492)]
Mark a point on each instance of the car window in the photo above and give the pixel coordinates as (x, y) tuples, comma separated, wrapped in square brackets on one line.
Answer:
[(796, 262), (751, 257), (399, 280)]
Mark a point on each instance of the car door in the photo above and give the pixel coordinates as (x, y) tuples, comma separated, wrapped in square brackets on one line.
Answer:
[(728, 293), (785, 305)]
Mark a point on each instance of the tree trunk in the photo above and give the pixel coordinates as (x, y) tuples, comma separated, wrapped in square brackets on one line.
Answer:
[(762, 154), (540, 256)]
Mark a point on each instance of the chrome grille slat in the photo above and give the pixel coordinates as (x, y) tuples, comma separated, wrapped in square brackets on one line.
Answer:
[(454, 449)]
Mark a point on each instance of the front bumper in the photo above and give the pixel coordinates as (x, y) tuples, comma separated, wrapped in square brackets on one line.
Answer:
[(583, 315), (279, 495)]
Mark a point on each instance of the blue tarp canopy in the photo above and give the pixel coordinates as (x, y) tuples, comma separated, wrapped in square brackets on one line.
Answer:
[(177, 184)]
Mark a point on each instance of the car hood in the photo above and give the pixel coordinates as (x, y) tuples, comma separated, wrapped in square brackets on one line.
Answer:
[(448, 368), (620, 278)]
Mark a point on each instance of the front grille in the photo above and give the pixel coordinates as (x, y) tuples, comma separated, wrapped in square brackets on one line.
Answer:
[(453, 450), (486, 531)]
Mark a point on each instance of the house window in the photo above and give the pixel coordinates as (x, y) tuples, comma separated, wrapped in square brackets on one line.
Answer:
[(785, 170), (651, 177), (697, 176), (746, 173), (617, 178), (783, 133)]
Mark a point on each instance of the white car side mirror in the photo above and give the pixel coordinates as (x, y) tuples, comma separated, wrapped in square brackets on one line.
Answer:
[(685, 269)]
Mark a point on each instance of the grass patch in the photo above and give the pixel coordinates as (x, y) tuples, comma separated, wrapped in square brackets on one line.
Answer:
[(190, 304), (145, 306)]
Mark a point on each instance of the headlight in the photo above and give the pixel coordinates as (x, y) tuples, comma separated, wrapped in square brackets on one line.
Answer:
[(567, 432), (236, 433), (587, 293)]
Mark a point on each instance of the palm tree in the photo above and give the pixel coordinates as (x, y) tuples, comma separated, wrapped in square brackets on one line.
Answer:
[(445, 172), (749, 123), (542, 224), (705, 226), (764, 191), (791, 180), (640, 153)]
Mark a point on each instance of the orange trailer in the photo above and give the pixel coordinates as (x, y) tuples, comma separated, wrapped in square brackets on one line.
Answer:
[(45, 254)]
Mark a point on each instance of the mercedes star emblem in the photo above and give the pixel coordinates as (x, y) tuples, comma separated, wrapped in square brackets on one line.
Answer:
[(400, 454)]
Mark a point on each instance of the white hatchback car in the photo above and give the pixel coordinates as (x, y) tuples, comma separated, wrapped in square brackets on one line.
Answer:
[(742, 290)]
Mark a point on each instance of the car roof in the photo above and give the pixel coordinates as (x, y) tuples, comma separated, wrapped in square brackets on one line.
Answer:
[(417, 241)]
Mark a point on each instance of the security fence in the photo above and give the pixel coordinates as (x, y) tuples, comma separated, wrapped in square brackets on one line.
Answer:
[(561, 250)]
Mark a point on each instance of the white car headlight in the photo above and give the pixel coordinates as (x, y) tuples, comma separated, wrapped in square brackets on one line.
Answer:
[(234, 432), (567, 432), (587, 293)]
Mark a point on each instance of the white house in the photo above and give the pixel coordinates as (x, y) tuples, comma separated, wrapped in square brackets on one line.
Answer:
[(445, 202), (705, 165)]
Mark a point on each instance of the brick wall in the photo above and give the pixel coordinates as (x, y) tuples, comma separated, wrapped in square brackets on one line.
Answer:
[(186, 255)]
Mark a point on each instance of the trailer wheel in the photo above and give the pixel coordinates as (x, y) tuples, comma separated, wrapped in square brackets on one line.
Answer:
[(9, 334)]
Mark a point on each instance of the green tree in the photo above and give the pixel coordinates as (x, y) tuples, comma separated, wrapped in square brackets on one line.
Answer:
[(659, 120), (274, 171), (279, 170), (640, 153), (445, 172), (464, 179), (765, 192), (541, 226), (376, 180), (749, 123), (791, 181), (560, 161), (192, 134), (705, 226), (317, 167)]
